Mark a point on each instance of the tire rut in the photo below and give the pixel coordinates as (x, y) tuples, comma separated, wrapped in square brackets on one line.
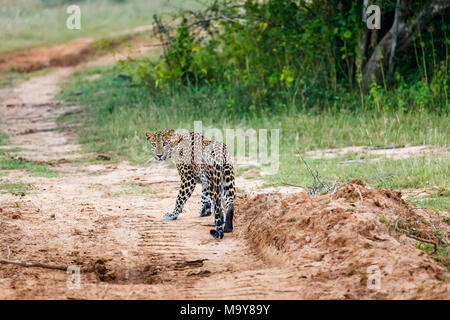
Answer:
[(127, 250)]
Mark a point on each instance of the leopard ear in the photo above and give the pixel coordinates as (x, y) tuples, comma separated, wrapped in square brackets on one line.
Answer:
[(149, 135)]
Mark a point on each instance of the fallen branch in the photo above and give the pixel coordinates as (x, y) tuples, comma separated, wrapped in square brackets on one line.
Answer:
[(293, 185), (409, 235), (33, 264)]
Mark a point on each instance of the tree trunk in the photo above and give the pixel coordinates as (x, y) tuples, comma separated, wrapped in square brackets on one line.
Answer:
[(364, 35), (390, 74), (404, 32)]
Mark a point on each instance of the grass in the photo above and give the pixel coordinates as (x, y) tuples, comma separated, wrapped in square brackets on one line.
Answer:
[(428, 247), (14, 187), (3, 139), (117, 113), (437, 200), (35, 169), (9, 162), (25, 23), (414, 172), (13, 78), (138, 189)]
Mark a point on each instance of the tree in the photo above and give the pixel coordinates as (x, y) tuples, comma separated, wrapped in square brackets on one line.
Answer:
[(398, 38)]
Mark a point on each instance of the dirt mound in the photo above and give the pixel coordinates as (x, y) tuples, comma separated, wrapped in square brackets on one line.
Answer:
[(38, 58), (337, 241)]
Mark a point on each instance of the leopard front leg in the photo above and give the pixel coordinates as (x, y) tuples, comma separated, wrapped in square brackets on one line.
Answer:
[(186, 189)]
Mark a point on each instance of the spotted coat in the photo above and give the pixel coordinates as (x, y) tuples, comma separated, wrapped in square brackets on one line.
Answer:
[(203, 161)]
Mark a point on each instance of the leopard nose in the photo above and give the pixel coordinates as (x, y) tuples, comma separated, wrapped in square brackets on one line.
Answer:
[(159, 156)]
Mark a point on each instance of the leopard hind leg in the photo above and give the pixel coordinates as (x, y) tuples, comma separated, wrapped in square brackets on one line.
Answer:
[(228, 196), (215, 181), (206, 198)]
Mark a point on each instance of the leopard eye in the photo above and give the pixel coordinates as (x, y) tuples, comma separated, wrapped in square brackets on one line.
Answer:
[(165, 143), (153, 145)]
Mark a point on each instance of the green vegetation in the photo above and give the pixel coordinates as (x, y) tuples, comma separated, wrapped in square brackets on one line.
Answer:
[(14, 187), (263, 58), (13, 78), (25, 23), (36, 169), (428, 247), (301, 67), (139, 189), (3, 139), (446, 219), (436, 200), (117, 114), (414, 172), (384, 220)]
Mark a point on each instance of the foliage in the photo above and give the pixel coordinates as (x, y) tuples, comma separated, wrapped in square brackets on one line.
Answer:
[(277, 56), (117, 113), (36, 169)]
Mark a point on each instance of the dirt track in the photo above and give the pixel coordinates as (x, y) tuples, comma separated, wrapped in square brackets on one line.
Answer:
[(95, 217), (87, 217)]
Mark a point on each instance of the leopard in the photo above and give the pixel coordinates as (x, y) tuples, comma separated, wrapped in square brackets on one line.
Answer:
[(199, 161)]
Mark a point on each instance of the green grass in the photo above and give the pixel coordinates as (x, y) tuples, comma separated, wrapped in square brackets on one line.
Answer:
[(14, 187), (3, 139), (4, 151), (446, 219), (13, 78), (34, 168), (414, 172), (437, 200), (138, 189), (428, 247), (117, 113), (25, 23)]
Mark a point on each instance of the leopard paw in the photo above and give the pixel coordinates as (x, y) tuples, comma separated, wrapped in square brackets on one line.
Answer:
[(216, 234), (204, 212), (170, 216), (228, 228)]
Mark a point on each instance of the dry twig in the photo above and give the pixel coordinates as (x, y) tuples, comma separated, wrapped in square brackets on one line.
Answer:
[(33, 264)]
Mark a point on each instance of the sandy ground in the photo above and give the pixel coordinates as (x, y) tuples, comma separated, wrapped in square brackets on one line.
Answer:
[(96, 217), (90, 216), (387, 152)]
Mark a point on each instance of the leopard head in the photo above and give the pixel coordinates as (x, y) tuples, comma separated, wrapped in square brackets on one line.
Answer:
[(162, 143)]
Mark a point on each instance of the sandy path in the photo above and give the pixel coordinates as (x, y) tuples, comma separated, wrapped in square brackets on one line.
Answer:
[(93, 217)]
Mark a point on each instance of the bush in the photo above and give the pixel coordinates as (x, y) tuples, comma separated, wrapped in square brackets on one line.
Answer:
[(278, 56)]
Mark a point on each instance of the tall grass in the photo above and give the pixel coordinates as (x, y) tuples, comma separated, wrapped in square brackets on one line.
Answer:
[(117, 113)]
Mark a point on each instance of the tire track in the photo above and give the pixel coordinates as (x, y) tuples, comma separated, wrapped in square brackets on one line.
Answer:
[(125, 247)]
